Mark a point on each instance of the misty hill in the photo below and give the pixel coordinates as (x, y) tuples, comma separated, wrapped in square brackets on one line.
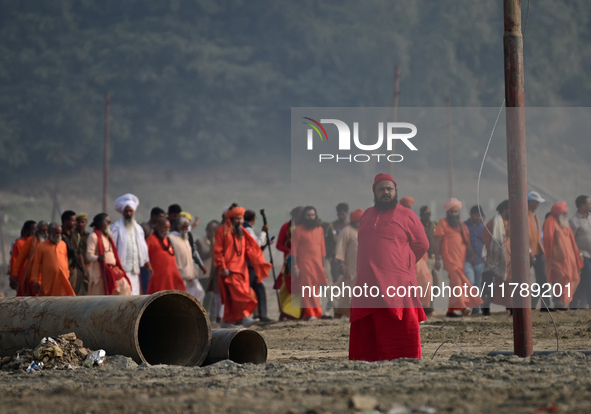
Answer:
[(202, 82)]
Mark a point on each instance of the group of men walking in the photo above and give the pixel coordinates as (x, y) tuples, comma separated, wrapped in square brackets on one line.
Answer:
[(385, 247)]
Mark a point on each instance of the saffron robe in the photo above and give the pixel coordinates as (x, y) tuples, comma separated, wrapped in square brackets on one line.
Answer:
[(384, 327), (454, 244), (308, 249), (18, 271), (563, 260), (166, 274), (50, 269), (230, 252), (424, 280)]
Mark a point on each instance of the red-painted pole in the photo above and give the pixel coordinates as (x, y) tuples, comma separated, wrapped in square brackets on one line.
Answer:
[(517, 174)]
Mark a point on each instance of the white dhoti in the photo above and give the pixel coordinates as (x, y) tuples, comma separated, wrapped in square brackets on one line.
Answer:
[(136, 286), (194, 288)]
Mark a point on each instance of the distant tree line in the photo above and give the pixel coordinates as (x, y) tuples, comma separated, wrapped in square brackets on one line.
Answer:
[(204, 81)]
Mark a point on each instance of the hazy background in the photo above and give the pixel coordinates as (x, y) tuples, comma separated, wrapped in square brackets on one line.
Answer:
[(201, 95)]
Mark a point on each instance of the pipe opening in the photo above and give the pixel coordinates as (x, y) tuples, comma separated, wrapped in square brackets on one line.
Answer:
[(173, 330), (248, 347)]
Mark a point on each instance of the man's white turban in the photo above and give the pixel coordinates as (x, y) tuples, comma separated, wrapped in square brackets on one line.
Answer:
[(126, 200)]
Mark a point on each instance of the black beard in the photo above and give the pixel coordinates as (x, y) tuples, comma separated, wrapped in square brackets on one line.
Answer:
[(385, 205), (238, 230), (310, 223), (453, 221)]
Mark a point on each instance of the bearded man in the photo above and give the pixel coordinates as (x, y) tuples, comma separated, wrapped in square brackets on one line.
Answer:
[(21, 269), (391, 240), (49, 269), (307, 254), (184, 258), (453, 244), (102, 253), (166, 273), (232, 247), (563, 260), (130, 241), (77, 269)]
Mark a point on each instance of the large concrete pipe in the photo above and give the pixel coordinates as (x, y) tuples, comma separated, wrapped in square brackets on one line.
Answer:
[(169, 327), (239, 345)]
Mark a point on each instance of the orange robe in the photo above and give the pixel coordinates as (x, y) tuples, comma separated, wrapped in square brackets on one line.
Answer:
[(424, 280), (50, 269), (454, 244), (166, 274), (17, 271), (535, 234), (230, 252), (563, 260), (23, 264), (308, 249)]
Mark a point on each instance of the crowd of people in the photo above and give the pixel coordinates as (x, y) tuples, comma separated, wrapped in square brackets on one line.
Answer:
[(128, 258)]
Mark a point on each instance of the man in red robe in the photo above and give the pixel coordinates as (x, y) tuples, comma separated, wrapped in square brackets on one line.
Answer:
[(307, 257), (563, 260), (166, 274), (50, 273), (232, 247), (287, 309), (453, 242), (391, 240), (27, 231)]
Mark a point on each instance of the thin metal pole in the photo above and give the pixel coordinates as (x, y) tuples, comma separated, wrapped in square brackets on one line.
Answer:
[(517, 174), (395, 106), (106, 154), (450, 159)]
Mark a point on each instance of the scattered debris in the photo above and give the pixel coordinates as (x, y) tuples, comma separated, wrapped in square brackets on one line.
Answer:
[(63, 352), (95, 358)]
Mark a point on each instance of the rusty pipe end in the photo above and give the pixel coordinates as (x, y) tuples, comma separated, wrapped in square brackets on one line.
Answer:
[(172, 328), (238, 345)]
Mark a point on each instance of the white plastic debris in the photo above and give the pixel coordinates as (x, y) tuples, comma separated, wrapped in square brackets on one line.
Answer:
[(50, 340), (95, 358), (35, 366)]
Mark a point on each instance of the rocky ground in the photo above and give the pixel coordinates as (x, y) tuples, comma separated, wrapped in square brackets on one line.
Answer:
[(308, 372)]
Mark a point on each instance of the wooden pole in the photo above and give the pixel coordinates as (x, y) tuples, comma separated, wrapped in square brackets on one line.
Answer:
[(106, 153), (2, 245), (395, 106), (450, 160), (517, 174)]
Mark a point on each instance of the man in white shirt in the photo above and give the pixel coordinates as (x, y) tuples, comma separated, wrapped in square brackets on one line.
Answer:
[(259, 288), (184, 257), (130, 241)]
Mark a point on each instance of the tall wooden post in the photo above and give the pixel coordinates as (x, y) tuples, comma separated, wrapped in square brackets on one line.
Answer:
[(450, 159), (395, 106), (517, 175), (106, 154)]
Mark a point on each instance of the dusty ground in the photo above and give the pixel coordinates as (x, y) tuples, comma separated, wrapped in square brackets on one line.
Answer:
[(308, 372)]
